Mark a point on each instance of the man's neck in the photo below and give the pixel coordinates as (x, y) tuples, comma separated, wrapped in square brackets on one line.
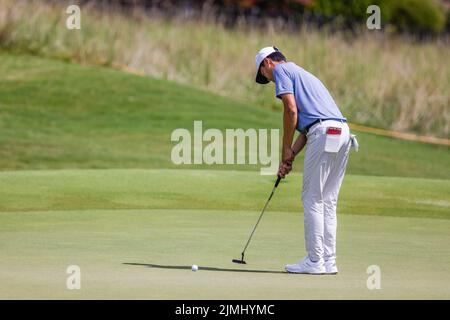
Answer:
[(278, 62)]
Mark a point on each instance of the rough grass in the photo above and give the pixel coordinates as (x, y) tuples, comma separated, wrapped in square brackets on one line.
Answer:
[(378, 80), (62, 115)]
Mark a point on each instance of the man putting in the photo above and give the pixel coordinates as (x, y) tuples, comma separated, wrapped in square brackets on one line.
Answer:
[(309, 108)]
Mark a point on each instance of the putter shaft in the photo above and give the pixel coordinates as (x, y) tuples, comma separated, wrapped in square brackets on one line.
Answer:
[(260, 216)]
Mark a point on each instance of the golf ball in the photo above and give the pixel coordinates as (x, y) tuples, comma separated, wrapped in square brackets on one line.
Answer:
[(194, 267)]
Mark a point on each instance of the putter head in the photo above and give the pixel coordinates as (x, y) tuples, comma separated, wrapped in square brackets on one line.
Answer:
[(239, 261)]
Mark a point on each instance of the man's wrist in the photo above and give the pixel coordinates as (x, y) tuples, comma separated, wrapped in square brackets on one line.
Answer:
[(292, 153), (288, 155)]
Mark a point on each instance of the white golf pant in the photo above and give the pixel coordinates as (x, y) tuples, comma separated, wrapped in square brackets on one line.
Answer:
[(322, 178)]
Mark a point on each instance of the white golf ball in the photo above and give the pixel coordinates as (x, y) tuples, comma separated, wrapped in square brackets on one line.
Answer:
[(194, 267)]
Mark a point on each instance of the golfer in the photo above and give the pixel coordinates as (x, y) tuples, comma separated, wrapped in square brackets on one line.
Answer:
[(310, 109)]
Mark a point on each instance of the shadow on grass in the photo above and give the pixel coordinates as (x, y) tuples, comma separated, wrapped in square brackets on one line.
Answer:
[(148, 265)]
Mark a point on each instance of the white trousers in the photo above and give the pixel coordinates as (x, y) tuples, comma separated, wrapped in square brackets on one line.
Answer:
[(322, 178)]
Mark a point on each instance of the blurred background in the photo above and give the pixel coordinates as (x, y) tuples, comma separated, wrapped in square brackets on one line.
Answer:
[(395, 78)]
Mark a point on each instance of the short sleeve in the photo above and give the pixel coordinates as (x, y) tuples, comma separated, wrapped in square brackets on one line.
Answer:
[(283, 82)]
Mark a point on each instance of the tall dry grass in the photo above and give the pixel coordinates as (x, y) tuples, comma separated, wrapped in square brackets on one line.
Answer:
[(378, 80)]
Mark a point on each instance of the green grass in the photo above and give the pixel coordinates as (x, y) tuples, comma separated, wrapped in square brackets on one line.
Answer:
[(86, 179), (61, 115), (127, 232), (207, 189), (116, 249)]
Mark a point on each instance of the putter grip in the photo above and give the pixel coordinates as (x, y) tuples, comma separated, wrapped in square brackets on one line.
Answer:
[(278, 182)]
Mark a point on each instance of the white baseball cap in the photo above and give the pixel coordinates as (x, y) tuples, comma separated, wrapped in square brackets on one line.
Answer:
[(260, 56)]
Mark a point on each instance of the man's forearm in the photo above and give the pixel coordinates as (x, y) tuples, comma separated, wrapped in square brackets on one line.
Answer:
[(289, 123), (290, 120), (299, 143)]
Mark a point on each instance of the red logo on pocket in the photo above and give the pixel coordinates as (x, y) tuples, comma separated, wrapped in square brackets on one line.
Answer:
[(334, 130)]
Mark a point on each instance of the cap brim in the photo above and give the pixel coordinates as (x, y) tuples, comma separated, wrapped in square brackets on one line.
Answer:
[(260, 78)]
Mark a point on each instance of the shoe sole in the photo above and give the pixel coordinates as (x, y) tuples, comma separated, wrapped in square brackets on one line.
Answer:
[(310, 273)]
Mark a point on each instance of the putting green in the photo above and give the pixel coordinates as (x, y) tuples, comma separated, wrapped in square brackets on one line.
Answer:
[(133, 242)]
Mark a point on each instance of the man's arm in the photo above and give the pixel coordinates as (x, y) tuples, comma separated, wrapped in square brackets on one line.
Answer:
[(289, 124), (299, 144)]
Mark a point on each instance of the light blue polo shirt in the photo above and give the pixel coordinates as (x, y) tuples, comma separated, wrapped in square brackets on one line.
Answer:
[(312, 98)]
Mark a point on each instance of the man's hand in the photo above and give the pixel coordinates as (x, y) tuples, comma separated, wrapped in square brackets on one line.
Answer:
[(284, 169), (286, 163), (288, 155), (289, 125)]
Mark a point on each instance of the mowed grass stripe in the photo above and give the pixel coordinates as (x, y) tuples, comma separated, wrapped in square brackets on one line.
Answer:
[(212, 189)]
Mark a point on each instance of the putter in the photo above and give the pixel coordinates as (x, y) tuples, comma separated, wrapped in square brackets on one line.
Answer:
[(242, 261)]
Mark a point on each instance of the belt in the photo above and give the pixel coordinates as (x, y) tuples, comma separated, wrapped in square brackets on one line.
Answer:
[(306, 129)]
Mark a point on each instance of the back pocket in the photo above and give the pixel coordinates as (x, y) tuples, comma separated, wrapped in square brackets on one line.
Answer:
[(333, 138)]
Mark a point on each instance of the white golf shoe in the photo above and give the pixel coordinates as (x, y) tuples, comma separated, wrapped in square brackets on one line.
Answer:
[(330, 267), (306, 266)]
